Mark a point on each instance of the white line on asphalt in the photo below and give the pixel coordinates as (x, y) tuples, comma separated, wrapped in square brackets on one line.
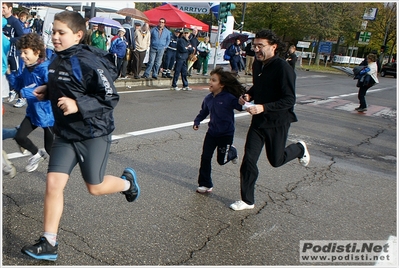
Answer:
[(139, 132), (143, 90), (170, 127), (355, 93)]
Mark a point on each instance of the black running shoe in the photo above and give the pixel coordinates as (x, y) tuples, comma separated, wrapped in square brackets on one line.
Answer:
[(42, 250), (134, 190)]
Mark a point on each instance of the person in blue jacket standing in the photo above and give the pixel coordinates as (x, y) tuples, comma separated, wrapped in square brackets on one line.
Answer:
[(219, 105), (235, 51), (118, 48), (38, 113), (160, 39)]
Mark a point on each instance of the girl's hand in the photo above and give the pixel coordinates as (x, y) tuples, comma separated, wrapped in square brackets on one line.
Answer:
[(247, 97), (40, 92), (67, 105), (195, 127), (241, 100)]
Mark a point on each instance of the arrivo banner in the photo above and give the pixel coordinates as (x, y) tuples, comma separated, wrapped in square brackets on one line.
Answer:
[(195, 8)]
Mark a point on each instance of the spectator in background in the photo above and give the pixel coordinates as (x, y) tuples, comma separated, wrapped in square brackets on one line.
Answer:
[(99, 38), (127, 64), (87, 39), (23, 17), (160, 39), (38, 25), (142, 37), (48, 42), (234, 51), (250, 57), (291, 57), (368, 77), (170, 55), (118, 48), (13, 31), (194, 43), (184, 48), (204, 49), (365, 61)]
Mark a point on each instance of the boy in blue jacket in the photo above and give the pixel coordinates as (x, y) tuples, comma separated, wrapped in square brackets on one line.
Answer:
[(38, 113), (83, 97), (219, 105)]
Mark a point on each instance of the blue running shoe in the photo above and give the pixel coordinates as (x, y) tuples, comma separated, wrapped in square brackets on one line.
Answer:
[(42, 250), (134, 191)]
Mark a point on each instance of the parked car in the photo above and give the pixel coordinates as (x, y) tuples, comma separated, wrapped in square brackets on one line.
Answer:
[(388, 69)]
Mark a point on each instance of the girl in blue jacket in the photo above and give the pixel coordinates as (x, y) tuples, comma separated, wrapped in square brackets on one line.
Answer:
[(38, 113), (219, 105)]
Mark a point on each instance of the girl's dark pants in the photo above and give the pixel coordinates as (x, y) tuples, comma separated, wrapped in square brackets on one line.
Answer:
[(225, 153), (23, 132), (274, 140)]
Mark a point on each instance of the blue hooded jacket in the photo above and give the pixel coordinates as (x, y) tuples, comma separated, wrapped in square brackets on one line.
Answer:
[(221, 110), (39, 112)]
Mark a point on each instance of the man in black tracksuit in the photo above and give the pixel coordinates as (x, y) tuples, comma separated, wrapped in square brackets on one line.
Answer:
[(273, 94)]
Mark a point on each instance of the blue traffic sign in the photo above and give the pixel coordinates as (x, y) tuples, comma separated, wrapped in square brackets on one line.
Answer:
[(325, 47)]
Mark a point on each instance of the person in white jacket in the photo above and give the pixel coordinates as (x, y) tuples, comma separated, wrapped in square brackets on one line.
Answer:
[(48, 43), (204, 49), (367, 80)]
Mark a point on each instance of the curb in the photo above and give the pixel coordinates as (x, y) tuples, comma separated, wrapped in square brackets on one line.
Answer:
[(132, 84)]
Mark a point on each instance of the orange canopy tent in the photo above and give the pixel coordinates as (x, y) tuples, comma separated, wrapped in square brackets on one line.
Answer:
[(174, 17)]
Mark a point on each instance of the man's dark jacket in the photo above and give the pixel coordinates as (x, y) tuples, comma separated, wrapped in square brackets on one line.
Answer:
[(274, 87)]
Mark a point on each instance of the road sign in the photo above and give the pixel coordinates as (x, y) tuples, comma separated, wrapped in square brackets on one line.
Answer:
[(364, 38), (303, 44), (325, 47)]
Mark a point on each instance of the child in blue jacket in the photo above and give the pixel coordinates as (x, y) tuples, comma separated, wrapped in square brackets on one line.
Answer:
[(38, 113), (219, 105)]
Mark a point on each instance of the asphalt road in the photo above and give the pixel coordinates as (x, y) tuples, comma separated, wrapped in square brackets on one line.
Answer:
[(348, 192)]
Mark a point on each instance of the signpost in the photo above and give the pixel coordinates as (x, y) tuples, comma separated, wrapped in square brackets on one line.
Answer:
[(325, 48), (302, 45)]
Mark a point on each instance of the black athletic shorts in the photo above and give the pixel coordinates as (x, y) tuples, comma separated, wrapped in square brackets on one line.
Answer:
[(91, 154)]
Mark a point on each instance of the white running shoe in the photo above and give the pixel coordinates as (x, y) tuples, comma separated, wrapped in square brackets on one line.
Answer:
[(186, 88), (204, 190), (175, 88), (241, 205), (235, 160), (305, 159), (21, 102), (33, 162), (8, 167), (12, 96)]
